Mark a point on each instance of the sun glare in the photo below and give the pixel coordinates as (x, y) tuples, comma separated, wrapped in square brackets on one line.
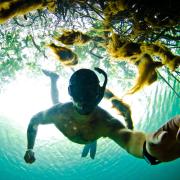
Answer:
[(25, 97)]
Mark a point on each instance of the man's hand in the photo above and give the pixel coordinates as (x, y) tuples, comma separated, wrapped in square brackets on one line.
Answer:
[(164, 144), (29, 156)]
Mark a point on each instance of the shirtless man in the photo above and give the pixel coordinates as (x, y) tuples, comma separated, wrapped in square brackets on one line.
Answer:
[(88, 148), (83, 122), (121, 108)]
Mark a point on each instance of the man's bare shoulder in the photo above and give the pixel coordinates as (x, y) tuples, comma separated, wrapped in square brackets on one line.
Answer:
[(54, 113), (61, 106), (59, 109), (108, 120)]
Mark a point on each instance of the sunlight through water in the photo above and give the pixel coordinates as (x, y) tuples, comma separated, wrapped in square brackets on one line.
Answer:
[(57, 157)]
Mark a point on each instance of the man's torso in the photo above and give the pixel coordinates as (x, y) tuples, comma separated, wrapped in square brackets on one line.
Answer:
[(78, 128)]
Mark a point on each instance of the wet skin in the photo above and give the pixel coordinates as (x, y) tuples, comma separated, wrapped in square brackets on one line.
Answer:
[(78, 128), (164, 144)]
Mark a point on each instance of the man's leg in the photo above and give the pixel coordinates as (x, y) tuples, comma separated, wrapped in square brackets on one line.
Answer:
[(54, 90), (90, 148)]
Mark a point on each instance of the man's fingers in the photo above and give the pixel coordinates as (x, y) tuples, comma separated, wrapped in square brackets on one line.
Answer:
[(32, 160), (29, 157), (29, 160), (159, 138), (162, 138)]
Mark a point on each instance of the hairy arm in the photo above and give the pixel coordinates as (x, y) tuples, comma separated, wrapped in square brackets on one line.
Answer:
[(131, 141), (44, 117), (32, 129), (161, 146)]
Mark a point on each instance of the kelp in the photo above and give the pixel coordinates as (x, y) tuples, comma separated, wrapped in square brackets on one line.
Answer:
[(132, 52), (146, 73), (13, 8), (141, 55), (123, 50), (113, 8), (72, 37), (68, 37), (64, 55), (167, 57), (145, 16), (135, 22), (120, 106)]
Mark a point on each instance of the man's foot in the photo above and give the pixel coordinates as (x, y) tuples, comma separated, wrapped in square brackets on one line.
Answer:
[(50, 74), (91, 149)]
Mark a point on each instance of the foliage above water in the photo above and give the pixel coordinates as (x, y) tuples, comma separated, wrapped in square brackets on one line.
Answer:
[(28, 28)]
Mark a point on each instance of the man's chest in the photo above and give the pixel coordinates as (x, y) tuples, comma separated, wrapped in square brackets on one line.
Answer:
[(81, 133)]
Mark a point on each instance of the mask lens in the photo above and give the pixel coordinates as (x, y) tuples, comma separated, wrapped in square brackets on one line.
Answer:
[(85, 94), (84, 108), (85, 98)]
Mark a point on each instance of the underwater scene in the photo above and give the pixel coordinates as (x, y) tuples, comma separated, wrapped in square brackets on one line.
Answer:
[(132, 47)]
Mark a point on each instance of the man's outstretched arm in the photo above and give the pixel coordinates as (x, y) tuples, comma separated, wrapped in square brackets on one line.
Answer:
[(32, 129), (131, 141), (161, 146), (31, 137)]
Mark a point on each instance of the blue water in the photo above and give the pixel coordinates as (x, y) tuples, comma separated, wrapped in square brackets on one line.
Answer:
[(58, 158)]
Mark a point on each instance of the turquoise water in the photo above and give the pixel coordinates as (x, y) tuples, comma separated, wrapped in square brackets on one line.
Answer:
[(58, 158)]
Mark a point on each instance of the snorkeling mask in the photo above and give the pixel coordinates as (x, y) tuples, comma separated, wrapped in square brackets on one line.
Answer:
[(85, 90)]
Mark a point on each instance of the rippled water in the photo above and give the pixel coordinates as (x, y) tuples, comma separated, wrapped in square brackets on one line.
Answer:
[(58, 158)]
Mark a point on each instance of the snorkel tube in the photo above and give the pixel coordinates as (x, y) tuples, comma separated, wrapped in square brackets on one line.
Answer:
[(101, 95)]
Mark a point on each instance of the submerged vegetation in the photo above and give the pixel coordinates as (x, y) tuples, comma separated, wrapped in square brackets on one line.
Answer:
[(126, 38)]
